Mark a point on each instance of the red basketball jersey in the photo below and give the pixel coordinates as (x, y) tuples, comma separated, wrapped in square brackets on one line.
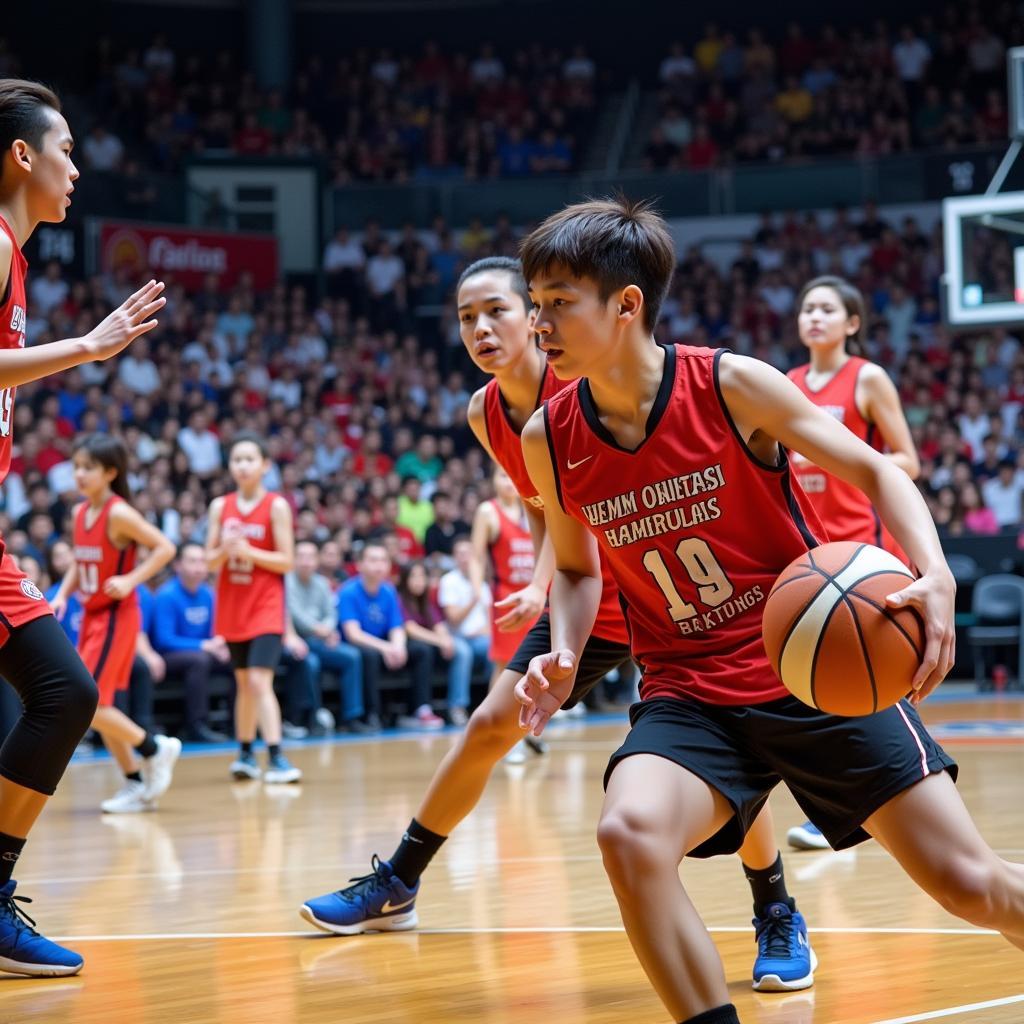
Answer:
[(250, 599), (507, 446), (695, 530), (845, 511), (97, 557), (12, 335), (511, 555)]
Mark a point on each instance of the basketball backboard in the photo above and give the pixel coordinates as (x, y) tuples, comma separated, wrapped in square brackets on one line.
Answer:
[(984, 259)]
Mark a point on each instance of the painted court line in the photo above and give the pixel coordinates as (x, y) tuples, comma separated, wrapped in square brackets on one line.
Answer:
[(954, 1011), (553, 930)]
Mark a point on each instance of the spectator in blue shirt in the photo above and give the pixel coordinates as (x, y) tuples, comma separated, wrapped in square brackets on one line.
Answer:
[(183, 636), (370, 615)]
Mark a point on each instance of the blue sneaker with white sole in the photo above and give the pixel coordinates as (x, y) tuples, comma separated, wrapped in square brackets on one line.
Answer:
[(23, 950), (377, 902), (807, 837), (785, 961)]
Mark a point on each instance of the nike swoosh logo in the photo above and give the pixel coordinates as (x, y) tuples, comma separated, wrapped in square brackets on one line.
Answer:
[(572, 465), (801, 939), (388, 908)]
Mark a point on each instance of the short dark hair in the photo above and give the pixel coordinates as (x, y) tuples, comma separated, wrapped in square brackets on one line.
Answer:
[(246, 436), (613, 241), (410, 479), (185, 545), (23, 107), (436, 496), (507, 265)]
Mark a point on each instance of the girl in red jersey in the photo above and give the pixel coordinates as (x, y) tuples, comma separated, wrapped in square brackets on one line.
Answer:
[(687, 492), (107, 533), (37, 177), (830, 315), (251, 546), (501, 537)]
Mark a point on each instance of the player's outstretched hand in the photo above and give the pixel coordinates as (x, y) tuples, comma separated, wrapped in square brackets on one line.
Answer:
[(544, 689), (523, 608), (126, 323), (933, 597)]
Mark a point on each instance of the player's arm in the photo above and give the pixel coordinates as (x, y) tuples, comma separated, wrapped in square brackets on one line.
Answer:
[(575, 590), (477, 420), (216, 552), (482, 535), (762, 401), (882, 407), (282, 558), (128, 526), (543, 551), (126, 323)]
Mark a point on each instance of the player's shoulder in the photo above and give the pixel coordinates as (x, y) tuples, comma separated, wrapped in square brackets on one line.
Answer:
[(217, 505), (535, 429), (477, 408), (6, 262)]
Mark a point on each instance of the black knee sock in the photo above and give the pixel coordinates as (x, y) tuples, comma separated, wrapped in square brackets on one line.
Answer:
[(10, 851), (415, 852), (719, 1015), (768, 885), (273, 749), (246, 747), (133, 776), (147, 748)]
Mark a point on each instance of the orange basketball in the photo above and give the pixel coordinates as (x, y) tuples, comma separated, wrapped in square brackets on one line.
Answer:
[(829, 635)]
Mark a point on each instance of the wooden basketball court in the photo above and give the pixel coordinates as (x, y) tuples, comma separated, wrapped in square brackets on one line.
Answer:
[(189, 915)]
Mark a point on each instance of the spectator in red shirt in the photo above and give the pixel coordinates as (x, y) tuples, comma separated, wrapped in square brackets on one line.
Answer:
[(702, 152)]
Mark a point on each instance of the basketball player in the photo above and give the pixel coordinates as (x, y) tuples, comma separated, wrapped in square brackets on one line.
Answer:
[(672, 460), (107, 533), (497, 330), (501, 537), (37, 178), (251, 547), (858, 393)]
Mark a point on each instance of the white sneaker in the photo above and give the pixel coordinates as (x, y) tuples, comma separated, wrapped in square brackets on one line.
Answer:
[(158, 770), (517, 755), (129, 799)]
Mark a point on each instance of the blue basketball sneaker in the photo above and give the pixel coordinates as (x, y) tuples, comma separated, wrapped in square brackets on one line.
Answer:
[(23, 950), (785, 961), (807, 837), (377, 902)]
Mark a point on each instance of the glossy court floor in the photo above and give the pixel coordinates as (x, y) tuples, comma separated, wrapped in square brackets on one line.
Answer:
[(189, 915)]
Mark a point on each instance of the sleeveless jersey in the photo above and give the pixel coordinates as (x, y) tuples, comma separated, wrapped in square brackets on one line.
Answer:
[(12, 335), (98, 559), (511, 555), (696, 530), (507, 446), (250, 599), (845, 511)]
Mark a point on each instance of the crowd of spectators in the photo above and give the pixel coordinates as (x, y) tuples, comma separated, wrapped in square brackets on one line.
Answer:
[(732, 95), (366, 421), (372, 116), (937, 82)]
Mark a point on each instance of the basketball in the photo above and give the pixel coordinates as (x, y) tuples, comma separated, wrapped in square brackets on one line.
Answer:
[(829, 635)]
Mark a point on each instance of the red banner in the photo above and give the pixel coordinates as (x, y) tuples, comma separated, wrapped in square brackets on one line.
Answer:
[(187, 254)]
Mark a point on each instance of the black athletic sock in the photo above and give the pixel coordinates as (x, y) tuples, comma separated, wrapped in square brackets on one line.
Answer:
[(768, 885), (273, 749), (415, 852), (133, 776), (10, 851), (246, 747), (148, 747), (719, 1015)]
